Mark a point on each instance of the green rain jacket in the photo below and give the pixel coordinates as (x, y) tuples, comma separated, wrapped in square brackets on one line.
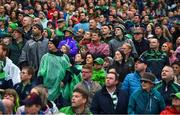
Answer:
[(52, 69)]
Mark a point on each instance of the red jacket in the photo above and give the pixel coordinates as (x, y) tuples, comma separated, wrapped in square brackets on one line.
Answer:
[(169, 110)]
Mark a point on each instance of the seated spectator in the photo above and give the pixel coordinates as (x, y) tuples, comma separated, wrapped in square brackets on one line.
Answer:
[(167, 86), (12, 95), (146, 100), (78, 103), (32, 105), (24, 87), (87, 84), (110, 100), (47, 106)]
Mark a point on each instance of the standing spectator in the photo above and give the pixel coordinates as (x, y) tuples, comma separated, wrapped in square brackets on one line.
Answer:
[(60, 28), (159, 35), (155, 58), (119, 64), (9, 72), (140, 43), (43, 19), (84, 24), (89, 59), (106, 33), (110, 100), (146, 100), (176, 68), (126, 48), (15, 48), (93, 26), (97, 48), (78, 103), (87, 83), (70, 42), (3, 27), (52, 10), (174, 109), (119, 39), (132, 80), (34, 48), (52, 69), (27, 23), (167, 86), (86, 39), (168, 48)]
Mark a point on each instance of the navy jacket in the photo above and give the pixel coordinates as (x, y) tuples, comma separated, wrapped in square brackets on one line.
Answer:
[(102, 102)]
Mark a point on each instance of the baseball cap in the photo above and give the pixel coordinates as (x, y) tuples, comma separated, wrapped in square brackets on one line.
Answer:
[(176, 95), (99, 61)]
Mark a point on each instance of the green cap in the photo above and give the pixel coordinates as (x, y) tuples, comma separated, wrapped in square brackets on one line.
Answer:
[(13, 26), (176, 95), (99, 61), (2, 19), (129, 36), (69, 30), (48, 32)]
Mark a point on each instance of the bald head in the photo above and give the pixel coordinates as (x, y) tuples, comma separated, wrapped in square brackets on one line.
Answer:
[(167, 73)]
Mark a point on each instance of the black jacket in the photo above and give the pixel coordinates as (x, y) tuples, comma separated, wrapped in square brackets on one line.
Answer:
[(102, 102)]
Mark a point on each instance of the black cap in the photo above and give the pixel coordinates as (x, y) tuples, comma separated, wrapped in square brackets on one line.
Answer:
[(55, 41), (141, 60), (60, 20), (20, 30), (39, 26)]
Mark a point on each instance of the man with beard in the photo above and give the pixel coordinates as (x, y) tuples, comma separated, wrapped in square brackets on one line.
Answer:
[(96, 47), (78, 103), (34, 48), (84, 24)]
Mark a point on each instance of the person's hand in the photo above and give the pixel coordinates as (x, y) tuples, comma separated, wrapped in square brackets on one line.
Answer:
[(61, 84)]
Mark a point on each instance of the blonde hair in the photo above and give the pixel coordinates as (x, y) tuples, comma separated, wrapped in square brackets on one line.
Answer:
[(42, 92)]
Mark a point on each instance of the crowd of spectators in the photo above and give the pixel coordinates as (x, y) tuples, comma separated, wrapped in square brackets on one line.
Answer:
[(90, 57)]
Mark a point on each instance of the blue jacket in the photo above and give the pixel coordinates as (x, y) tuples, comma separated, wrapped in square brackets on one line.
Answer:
[(142, 102), (131, 82), (82, 25), (72, 45), (102, 102)]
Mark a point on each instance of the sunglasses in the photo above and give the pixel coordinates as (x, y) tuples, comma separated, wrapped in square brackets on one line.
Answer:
[(144, 81)]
